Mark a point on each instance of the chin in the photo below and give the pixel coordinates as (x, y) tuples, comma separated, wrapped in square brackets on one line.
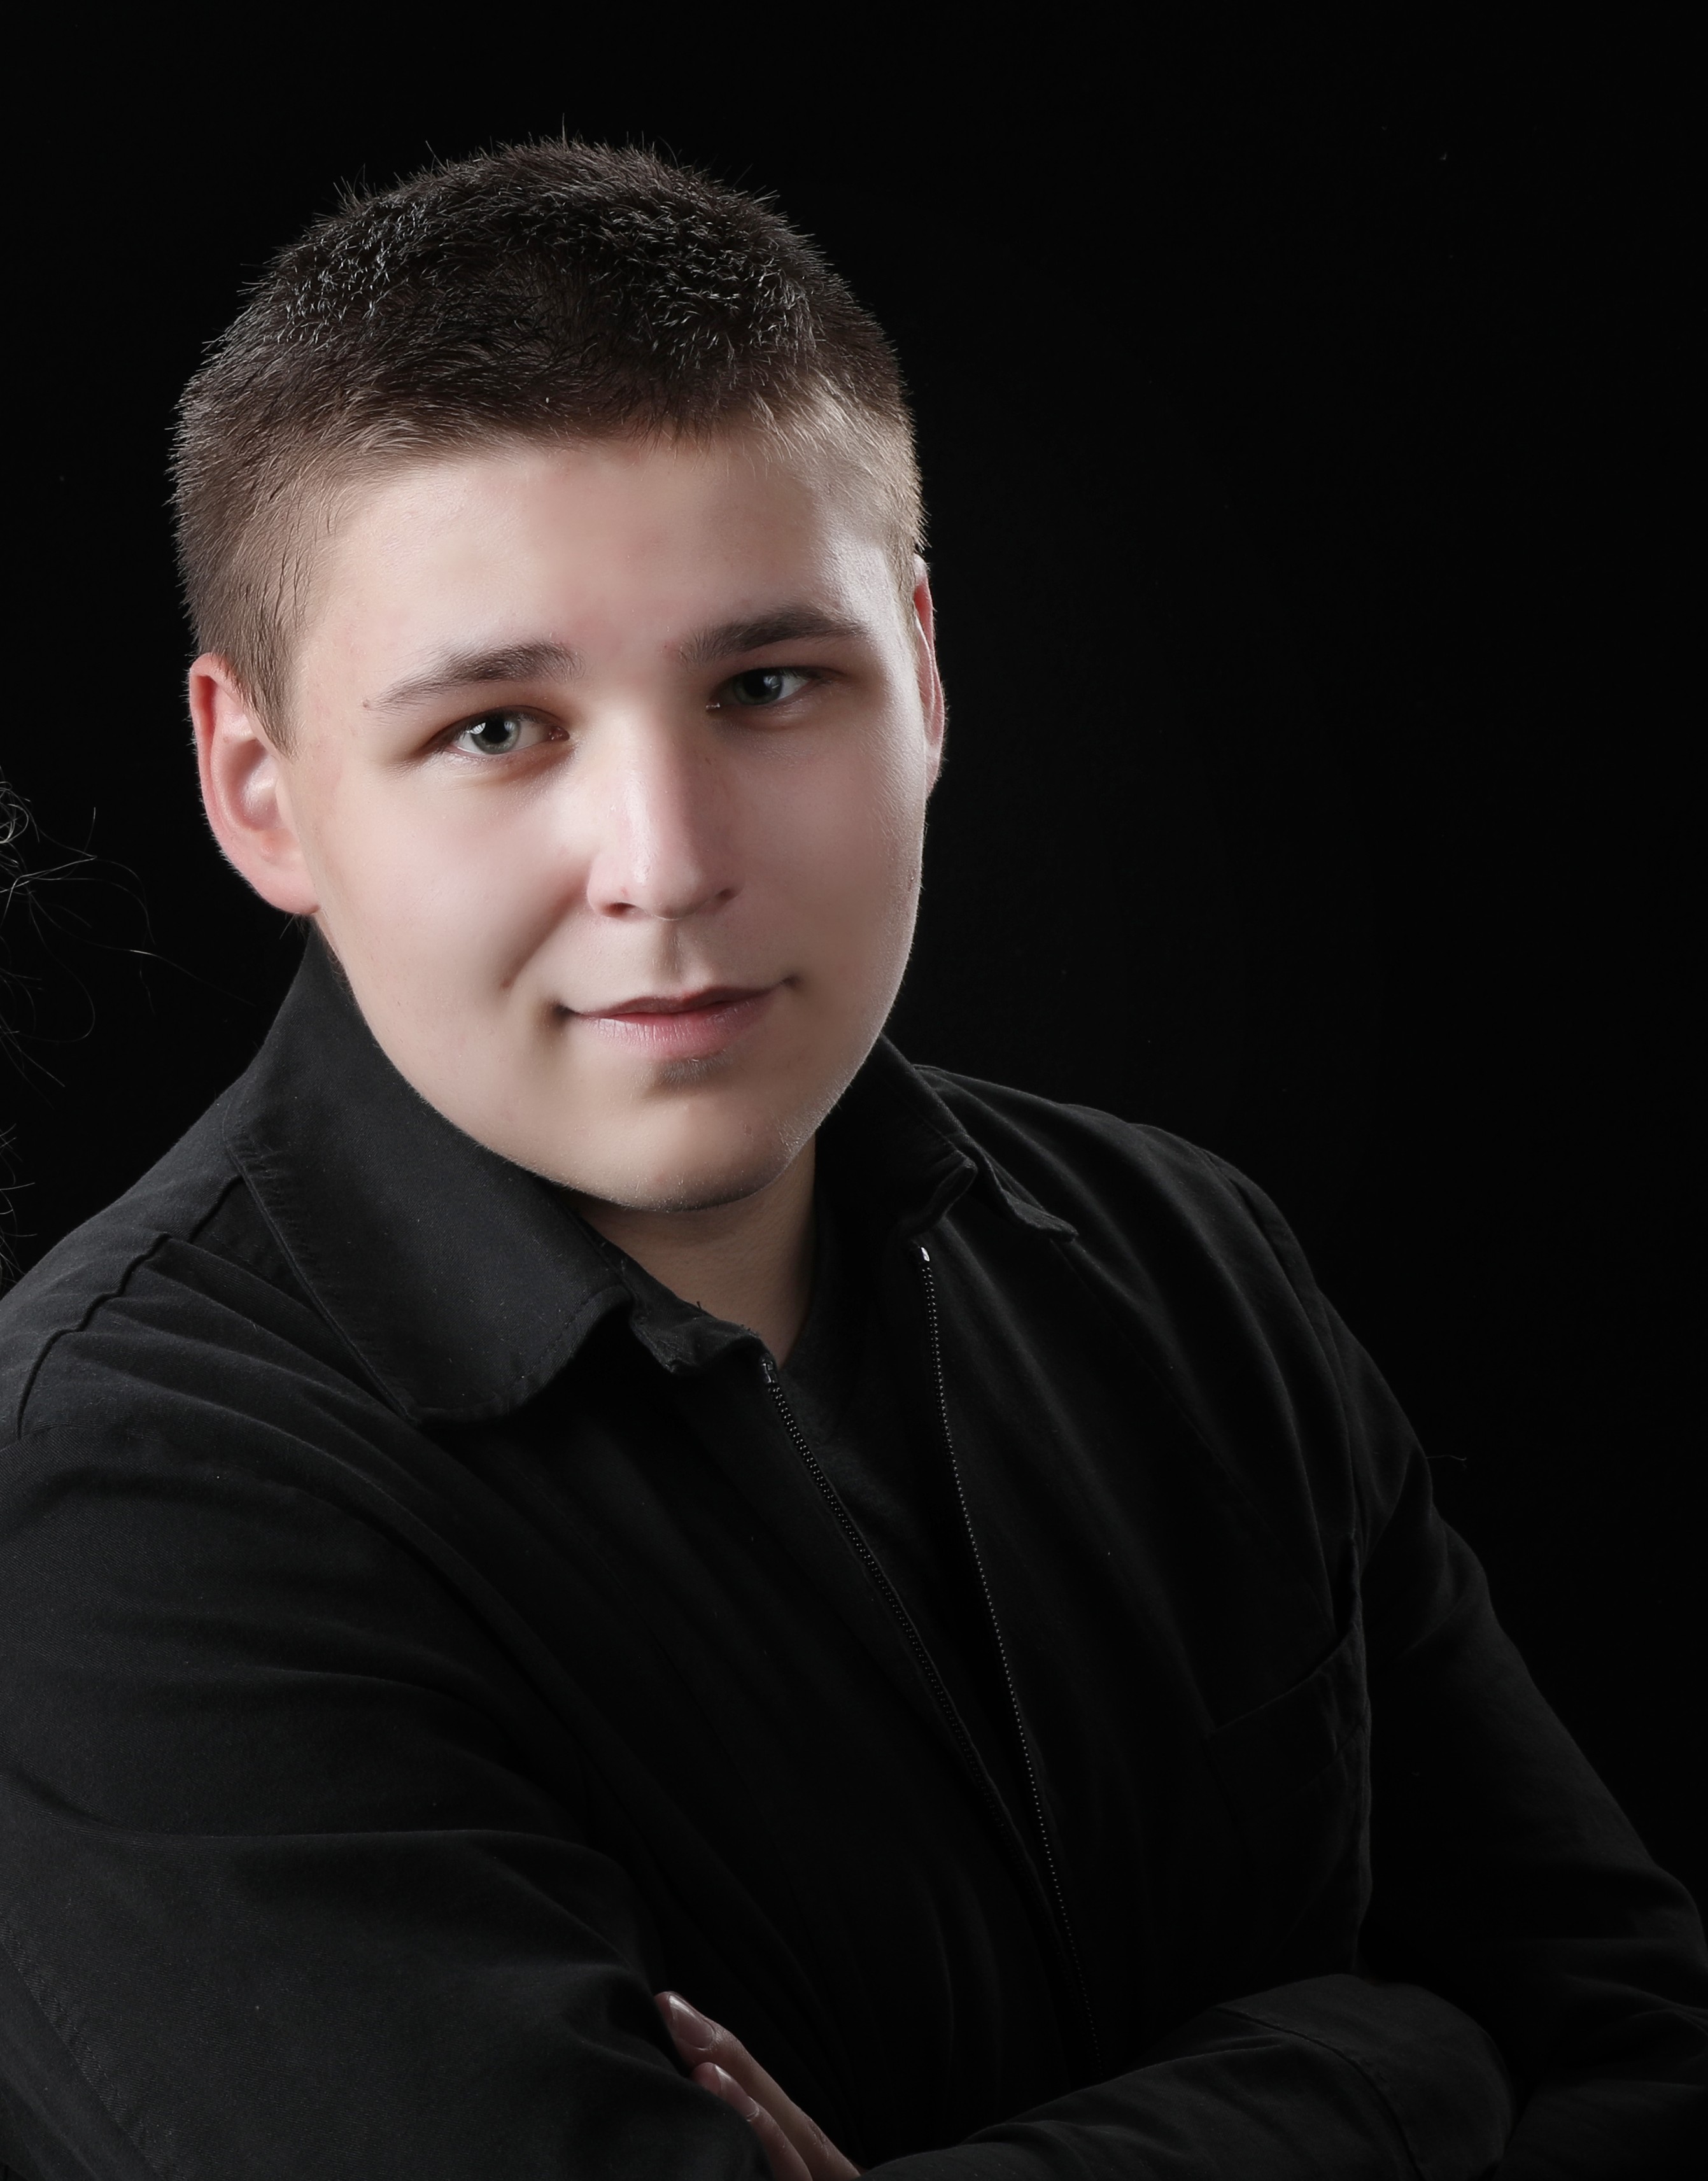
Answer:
[(695, 1176), (694, 1193), (700, 1189)]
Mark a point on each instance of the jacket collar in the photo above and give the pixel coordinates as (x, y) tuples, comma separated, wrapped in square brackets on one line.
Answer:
[(465, 1283)]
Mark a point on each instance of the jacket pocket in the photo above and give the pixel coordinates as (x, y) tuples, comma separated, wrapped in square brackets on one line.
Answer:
[(1296, 1774)]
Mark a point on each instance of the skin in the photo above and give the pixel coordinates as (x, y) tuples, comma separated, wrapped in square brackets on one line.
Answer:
[(797, 2148), (550, 754), (571, 728)]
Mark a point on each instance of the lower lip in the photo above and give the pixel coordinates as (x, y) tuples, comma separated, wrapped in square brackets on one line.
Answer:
[(687, 1034)]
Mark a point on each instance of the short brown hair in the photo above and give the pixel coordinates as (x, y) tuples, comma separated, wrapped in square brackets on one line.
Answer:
[(552, 290)]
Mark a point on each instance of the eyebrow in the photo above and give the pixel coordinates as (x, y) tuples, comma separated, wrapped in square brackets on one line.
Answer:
[(787, 625), (533, 662), (467, 669)]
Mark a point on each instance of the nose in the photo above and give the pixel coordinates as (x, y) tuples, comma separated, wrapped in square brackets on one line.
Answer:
[(663, 846)]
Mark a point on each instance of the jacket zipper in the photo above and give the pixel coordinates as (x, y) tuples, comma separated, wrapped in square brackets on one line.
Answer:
[(927, 1666), (928, 1279)]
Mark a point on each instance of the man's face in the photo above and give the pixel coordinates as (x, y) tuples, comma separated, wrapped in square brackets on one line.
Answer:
[(607, 785)]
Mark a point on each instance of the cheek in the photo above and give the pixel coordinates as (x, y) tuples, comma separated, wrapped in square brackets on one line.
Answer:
[(442, 890), (853, 836)]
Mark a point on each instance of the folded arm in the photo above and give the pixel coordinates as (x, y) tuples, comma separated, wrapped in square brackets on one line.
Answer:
[(1336, 2076)]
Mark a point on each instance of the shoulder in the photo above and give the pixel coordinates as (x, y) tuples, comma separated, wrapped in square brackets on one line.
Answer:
[(1127, 1187), (178, 1288), (1195, 1275)]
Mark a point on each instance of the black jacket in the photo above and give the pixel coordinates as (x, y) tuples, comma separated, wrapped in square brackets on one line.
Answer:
[(423, 1638)]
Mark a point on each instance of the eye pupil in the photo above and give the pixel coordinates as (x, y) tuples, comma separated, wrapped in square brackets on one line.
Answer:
[(759, 685), (496, 734)]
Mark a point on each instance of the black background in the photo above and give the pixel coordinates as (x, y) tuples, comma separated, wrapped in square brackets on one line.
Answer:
[(1299, 417)]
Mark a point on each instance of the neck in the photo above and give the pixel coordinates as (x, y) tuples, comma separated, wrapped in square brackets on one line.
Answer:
[(748, 1262)]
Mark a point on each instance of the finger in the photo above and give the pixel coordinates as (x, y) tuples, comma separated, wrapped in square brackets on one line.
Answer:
[(700, 2041), (698, 2038), (785, 2163), (695, 2036)]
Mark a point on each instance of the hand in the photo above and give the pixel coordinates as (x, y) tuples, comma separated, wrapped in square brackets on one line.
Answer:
[(797, 2147)]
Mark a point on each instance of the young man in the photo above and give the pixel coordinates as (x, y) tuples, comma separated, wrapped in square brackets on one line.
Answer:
[(586, 1478)]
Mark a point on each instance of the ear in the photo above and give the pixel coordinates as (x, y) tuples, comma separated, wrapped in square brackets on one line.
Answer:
[(931, 680), (246, 789)]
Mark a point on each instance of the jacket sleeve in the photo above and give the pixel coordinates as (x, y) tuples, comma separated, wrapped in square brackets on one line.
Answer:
[(1334, 2078), (275, 1899), (1505, 1876)]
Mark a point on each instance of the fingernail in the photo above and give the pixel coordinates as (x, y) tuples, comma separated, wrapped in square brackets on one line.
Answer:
[(688, 2026), (733, 2094)]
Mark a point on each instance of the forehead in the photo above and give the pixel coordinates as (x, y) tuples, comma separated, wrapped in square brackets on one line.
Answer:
[(603, 545)]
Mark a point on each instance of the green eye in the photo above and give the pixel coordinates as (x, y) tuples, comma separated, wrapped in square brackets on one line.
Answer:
[(494, 734), (763, 685)]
